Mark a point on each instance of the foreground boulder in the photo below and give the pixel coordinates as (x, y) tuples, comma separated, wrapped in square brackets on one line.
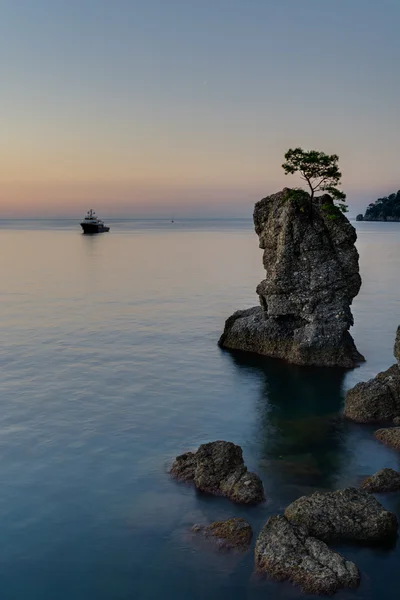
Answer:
[(389, 437), (218, 468), (377, 400), (344, 515), (312, 270), (385, 480), (287, 552), (233, 534)]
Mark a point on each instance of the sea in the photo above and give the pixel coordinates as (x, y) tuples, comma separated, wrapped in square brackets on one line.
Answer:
[(110, 368)]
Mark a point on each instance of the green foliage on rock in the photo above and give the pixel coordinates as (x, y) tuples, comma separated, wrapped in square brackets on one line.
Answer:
[(384, 209), (321, 173)]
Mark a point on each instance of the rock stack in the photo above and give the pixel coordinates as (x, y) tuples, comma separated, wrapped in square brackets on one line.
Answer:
[(312, 276)]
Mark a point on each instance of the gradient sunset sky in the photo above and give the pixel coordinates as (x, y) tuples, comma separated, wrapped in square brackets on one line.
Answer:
[(186, 107)]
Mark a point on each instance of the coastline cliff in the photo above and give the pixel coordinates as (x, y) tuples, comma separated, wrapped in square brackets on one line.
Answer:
[(312, 276), (383, 209)]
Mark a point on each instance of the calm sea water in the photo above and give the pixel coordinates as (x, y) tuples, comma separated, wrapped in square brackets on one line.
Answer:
[(110, 368)]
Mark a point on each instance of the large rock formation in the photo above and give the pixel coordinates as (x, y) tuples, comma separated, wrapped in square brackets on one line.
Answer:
[(288, 552), (377, 400), (344, 515), (218, 468), (312, 271)]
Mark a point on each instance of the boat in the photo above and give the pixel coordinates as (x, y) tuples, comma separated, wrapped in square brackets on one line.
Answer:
[(92, 224)]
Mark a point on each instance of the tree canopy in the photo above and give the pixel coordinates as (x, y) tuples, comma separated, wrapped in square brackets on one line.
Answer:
[(319, 170), (384, 208)]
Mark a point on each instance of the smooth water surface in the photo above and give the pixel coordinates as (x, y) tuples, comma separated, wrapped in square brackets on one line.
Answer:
[(110, 368)]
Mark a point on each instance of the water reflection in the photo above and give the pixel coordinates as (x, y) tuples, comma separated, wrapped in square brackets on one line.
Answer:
[(301, 435)]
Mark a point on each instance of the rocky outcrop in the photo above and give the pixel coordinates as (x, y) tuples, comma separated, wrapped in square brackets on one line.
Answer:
[(385, 480), (233, 534), (360, 217), (344, 515), (377, 400), (287, 552), (384, 209), (397, 345), (389, 437), (218, 468), (312, 276)]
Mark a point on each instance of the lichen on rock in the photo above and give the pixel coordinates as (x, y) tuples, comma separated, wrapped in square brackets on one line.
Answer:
[(344, 515), (312, 276), (287, 552), (218, 468)]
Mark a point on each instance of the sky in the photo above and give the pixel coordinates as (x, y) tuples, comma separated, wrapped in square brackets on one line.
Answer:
[(174, 108)]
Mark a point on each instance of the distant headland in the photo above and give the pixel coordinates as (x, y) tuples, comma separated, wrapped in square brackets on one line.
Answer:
[(383, 209)]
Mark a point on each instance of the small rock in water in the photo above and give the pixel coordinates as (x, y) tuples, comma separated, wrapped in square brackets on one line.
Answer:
[(232, 534), (218, 468), (385, 480), (287, 552), (390, 437), (344, 515)]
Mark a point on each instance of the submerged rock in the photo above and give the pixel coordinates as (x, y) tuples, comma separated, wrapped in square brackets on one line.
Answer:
[(233, 534), (287, 552), (312, 271), (385, 480), (344, 515), (377, 400), (390, 437), (218, 468)]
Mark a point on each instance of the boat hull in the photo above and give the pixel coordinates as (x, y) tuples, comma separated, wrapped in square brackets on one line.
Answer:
[(92, 228)]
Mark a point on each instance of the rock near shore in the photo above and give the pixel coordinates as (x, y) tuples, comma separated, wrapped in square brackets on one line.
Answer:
[(385, 480), (218, 468), (287, 552), (376, 400), (312, 276), (344, 515), (389, 437)]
